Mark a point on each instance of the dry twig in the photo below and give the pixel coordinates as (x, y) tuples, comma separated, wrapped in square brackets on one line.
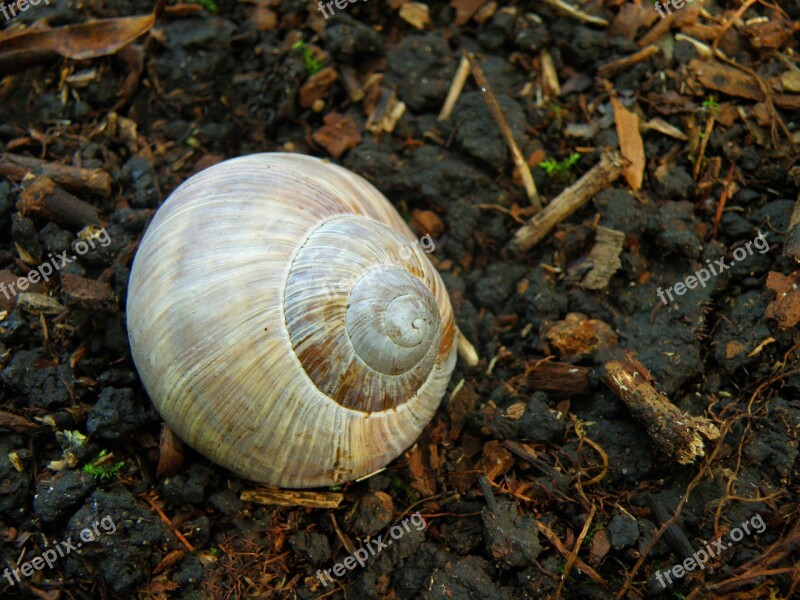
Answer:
[(502, 123), (571, 199)]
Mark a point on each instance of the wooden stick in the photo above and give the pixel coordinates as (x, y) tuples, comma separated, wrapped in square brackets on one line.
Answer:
[(456, 87), (273, 496), (674, 432), (623, 64), (466, 350), (571, 199), (502, 123), (42, 198), (75, 179)]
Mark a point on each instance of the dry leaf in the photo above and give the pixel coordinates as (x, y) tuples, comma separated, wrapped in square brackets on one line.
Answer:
[(82, 41)]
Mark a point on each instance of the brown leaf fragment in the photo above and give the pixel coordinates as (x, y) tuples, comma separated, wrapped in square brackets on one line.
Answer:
[(785, 309), (170, 560), (318, 86), (81, 41), (421, 478), (170, 453), (604, 258), (338, 135), (496, 460), (630, 144), (426, 222), (87, 293), (276, 497), (600, 546), (731, 81)]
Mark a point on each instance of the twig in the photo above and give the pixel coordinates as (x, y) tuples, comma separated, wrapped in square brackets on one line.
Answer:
[(573, 556), (502, 123), (44, 199), (465, 349), (169, 524), (675, 536), (674, 432), (571, 199), (623, 64), (276, 497), (486, 488), (575, 13), (456, 87), (559, 546), (95, 181)]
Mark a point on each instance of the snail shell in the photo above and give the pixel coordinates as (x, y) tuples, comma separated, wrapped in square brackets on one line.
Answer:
[(249, 344)]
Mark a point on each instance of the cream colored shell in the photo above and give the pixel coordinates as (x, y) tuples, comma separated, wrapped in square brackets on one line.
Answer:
[(285, 324)]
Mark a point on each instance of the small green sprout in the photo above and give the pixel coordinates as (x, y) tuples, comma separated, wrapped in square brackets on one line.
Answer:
[(311, 65), (711, 105), (560, 171), (99, 471), (209, 5)]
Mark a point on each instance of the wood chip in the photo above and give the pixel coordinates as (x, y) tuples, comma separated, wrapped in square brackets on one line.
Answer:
[(416, 14), (660, 125), (386, 113), (465, 9), (276, 497), (339, 134), (170, 453), (785, 309), (317, 87), (630, 144), (604, 258)]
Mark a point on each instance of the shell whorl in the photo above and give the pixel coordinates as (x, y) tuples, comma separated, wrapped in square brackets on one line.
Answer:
[(285, 324)]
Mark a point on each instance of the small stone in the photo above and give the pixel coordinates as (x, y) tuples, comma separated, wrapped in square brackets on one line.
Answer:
[(624, 531)]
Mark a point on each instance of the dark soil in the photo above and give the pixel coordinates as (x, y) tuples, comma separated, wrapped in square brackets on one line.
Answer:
[(510, 475)]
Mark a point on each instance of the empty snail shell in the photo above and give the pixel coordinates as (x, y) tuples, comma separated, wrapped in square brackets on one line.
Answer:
[(252, 350)]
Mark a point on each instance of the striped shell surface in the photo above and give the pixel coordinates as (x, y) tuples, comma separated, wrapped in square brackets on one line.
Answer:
[(285, 324)]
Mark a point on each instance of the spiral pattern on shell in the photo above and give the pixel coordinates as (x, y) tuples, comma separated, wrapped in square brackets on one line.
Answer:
[(285, 324)]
